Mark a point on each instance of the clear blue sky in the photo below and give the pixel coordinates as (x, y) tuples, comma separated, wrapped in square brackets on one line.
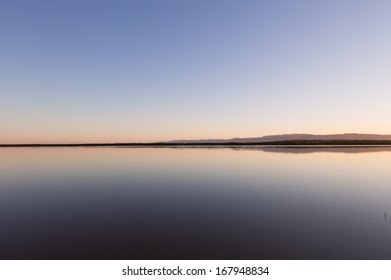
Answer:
[(96, 71)]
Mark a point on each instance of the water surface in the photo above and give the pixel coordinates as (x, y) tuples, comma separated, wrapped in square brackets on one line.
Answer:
[(195, 203)]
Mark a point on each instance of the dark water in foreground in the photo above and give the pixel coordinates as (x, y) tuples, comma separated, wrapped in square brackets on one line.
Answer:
[(195, 203)]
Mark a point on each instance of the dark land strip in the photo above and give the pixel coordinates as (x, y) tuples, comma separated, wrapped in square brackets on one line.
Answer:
[(207, 144)]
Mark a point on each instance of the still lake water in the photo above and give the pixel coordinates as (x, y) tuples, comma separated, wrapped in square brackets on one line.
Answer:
[(195, 203)]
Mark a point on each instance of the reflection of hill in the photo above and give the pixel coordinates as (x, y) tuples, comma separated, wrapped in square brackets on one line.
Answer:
[(307, 150), (282, 149), (288, 149)]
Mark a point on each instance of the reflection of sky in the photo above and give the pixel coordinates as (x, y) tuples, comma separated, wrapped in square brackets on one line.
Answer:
[(364, 176), (158, 202), (150, 70)]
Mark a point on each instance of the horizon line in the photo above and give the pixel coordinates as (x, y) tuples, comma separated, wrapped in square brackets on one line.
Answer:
[(297, 142)]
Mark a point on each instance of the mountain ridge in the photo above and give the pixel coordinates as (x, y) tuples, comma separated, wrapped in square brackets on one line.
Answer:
[(291, 137)]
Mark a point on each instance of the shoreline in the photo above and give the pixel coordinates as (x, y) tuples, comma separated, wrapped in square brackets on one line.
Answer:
[(295, 143)]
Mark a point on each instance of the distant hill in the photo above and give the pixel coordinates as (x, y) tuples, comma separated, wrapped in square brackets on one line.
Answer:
[(290, 137), (353, 139)]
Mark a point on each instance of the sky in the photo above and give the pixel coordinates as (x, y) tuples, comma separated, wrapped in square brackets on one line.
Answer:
[(144, 70)]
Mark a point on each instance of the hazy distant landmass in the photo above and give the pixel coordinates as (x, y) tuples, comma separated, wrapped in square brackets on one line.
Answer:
[(294, 137), (354, 139)]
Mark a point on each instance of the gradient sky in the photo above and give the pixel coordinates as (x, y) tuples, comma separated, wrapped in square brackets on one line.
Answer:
[(143, 70)]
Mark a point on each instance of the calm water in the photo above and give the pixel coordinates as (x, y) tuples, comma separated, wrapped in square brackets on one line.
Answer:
[(195, 203)]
